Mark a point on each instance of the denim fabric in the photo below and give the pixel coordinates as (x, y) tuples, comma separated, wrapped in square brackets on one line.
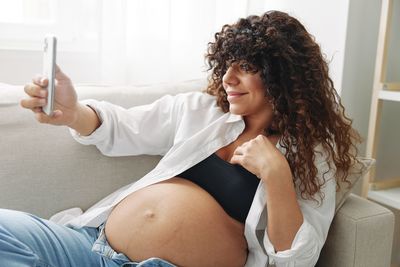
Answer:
[(102, 247), (27, 240)]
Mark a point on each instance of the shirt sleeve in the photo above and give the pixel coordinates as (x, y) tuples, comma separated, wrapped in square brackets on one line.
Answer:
[(317, 217), (147, 129)]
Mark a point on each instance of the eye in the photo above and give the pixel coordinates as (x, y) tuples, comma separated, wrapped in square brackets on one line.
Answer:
[(244, 66)]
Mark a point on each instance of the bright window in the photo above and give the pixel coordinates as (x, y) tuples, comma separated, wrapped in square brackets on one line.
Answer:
[(24, 23), (27, 11)]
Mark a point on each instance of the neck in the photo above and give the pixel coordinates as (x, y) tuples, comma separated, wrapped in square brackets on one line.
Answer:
[(256, 125)]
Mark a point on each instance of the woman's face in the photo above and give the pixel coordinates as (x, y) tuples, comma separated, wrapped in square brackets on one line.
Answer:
[(245, 91)]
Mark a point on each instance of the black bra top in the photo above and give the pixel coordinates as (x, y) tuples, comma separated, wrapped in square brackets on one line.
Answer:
[(231, 185)]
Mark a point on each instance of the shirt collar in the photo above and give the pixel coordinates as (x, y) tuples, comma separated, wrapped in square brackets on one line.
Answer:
[(234, 117)]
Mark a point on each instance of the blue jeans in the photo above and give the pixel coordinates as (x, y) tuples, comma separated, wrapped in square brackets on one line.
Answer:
[(26, 240)]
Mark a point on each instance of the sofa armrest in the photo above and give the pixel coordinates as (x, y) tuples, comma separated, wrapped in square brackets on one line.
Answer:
[(361, 235)]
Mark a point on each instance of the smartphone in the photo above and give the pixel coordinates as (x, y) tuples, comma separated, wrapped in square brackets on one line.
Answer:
[(49, 70)]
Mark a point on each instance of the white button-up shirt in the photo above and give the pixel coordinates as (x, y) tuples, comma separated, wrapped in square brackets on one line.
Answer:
[(186, 129)]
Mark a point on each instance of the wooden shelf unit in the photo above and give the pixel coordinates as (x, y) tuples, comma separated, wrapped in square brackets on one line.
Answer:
[(384, 191)]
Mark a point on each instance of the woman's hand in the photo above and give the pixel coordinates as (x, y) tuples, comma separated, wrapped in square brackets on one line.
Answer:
[(66, 105), (261, 157), (284, 216)]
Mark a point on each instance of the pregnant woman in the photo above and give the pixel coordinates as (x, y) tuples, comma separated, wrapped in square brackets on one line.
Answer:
[(249, 169)]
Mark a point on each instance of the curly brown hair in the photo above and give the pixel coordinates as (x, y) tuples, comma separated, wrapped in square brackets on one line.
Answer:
[(307, 108)]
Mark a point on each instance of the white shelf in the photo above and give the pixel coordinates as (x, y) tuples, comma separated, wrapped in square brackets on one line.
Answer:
[(389, 197), (389, 95)]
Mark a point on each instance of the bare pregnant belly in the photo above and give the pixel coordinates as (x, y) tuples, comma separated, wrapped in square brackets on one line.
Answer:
[(178, 221)]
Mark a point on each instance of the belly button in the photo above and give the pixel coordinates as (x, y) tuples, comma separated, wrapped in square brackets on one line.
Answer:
[(149, 214)]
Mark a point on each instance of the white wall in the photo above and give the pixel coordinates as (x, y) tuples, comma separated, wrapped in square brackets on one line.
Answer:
[(358, 72), (359, 64), (358, 77)]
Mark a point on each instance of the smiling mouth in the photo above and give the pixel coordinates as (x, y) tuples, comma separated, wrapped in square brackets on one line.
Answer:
[(234, 95)]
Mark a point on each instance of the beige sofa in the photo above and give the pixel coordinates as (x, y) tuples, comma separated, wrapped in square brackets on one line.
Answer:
[(43, 170)]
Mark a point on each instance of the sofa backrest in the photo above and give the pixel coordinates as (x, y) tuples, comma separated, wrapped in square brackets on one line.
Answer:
[(43, 170)]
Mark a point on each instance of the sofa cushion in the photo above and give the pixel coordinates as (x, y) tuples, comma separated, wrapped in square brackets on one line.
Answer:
[(358, 170)]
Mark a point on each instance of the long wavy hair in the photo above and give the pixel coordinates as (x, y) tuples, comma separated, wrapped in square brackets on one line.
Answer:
[(307, 108)]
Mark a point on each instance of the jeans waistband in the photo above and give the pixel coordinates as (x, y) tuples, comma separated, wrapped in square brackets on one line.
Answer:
[(102, 247)]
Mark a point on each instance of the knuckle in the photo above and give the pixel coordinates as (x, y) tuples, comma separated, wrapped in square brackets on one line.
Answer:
[(37, 79), (36, 90), (23, 103), (235, 159), (26, 87), (31, 89), (260, 137), (38, 101)]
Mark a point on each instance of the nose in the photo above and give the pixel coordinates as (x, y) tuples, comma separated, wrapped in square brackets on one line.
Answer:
[(230, 78)]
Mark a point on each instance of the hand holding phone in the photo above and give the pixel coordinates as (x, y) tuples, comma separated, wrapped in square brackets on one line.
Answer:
[(49, 70), (61, 106)]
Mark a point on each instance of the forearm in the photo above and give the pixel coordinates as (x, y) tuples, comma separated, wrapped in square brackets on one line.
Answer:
[(86, 121), (283, 211)]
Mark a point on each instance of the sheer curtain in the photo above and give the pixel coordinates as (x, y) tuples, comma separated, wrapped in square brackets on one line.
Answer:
[(115, 41), (146, 41)]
